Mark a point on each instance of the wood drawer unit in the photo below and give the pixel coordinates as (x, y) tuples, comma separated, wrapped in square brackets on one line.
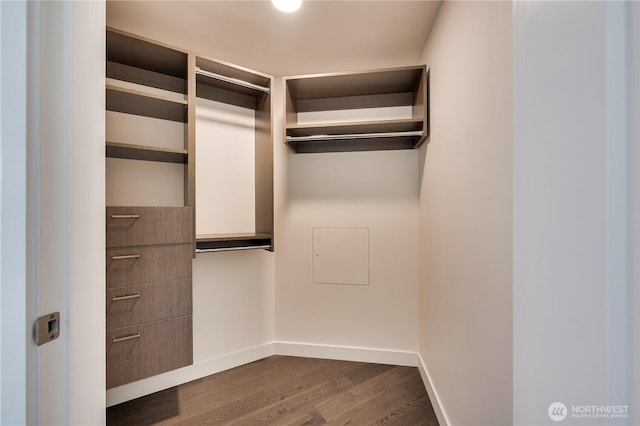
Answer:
[(127, 266), (139, 226), (136, 352), (138, 304), (148, 296)]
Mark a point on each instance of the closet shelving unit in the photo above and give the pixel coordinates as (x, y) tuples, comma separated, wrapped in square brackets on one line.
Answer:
[(150, 248), (136, 69), (230, 84), (149, 326), (396, 87)]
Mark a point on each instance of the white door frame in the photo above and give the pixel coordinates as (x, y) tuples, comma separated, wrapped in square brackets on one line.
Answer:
[(52, 211), (13, 152)]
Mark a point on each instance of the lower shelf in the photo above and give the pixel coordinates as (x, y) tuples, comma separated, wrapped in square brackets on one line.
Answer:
[(228, 242), (359, 144), (146, 153)]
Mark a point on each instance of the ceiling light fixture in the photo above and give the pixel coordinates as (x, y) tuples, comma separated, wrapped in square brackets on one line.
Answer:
[(287, 5)]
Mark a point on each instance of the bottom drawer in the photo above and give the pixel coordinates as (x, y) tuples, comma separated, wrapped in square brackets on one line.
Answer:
[(134, 353)]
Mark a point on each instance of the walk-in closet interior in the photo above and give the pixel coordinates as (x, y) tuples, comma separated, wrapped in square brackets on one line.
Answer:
[(196, 148)]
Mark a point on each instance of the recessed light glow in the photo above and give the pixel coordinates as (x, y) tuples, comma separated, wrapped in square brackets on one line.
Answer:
[(287, 5)]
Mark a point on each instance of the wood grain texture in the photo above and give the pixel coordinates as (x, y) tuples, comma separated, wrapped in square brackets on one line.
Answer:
[(162, 346), (142, 53), (145, 77), (264, 169), (396, 125), (282, 390), (336, 85), (152, 105), (226, 96), (156, 225), (355, 102), (360, 90), (233, 71), (348, 145), (153, 302), (421, 104), (145, 153)]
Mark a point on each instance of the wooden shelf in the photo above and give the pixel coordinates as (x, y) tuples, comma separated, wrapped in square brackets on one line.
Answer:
[(146, 153), (228, 242), (338, 85), (124, 72), (377, 126), (396, 87), (148, 55), (350, 145), (250, 90), (129, 101)]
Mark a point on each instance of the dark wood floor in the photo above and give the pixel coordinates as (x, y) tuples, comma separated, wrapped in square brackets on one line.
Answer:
[(282, 390)]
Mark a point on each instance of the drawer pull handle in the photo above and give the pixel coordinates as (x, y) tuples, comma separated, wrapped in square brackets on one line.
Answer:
[(127, 297), (125, 216), (129, 337), (125, 256)]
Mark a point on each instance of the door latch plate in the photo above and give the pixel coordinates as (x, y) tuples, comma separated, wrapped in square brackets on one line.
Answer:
[(47, 328)]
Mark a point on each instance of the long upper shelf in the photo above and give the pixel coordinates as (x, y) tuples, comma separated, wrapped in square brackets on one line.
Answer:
[(390, 88)]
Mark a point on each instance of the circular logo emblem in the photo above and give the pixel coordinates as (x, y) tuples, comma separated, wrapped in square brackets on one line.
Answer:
[(557, 411)]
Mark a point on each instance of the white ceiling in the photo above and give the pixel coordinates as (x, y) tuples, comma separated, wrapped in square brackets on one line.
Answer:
[(323, 36)]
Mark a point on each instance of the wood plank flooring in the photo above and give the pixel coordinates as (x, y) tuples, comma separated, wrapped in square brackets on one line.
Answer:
[(282, 390)]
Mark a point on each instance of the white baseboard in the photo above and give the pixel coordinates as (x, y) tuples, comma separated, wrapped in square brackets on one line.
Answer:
[(347, 353), (186, 374), (441, 414)]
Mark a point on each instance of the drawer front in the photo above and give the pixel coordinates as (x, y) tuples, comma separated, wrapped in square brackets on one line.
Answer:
[(128, 306), (127, 266), (149, 349), (140, 226)]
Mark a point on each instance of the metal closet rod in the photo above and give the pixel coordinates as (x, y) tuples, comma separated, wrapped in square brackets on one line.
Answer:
[(266, 246), (311, 138), (232, 80)]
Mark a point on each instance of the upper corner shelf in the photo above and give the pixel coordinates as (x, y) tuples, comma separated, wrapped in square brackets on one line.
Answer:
[(145, 78), (143, 62), (342, 112), (231, 84)]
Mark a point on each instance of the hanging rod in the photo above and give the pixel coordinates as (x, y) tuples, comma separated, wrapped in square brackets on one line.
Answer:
[(232, 80), (312, 138), (266, 246)]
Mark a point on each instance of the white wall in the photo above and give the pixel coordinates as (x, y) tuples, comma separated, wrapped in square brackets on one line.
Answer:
[(374, 190), (465, 214), (232, 302), (225, 168), (144, 183), (571, 335)]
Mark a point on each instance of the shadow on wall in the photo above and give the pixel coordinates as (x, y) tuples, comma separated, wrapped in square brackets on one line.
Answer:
[(359, 175)]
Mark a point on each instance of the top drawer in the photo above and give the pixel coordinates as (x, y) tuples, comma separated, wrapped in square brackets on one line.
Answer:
[(131, 226)]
